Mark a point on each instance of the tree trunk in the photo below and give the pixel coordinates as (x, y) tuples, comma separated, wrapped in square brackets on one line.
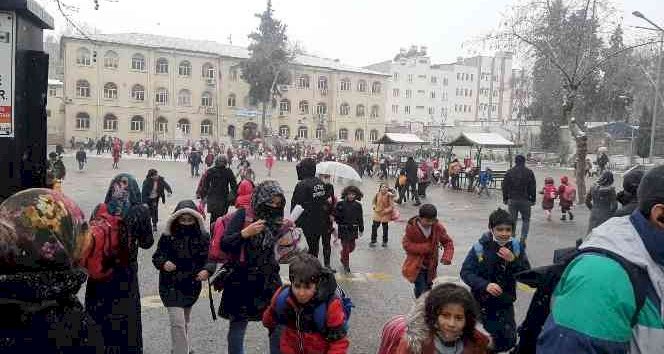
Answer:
[(263, 116), (581, 140)]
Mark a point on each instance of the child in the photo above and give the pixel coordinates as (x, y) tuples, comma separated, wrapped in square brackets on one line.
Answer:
[(550, 193), (489, 270), (293, 309), (401, 186), (349, 219), (269, 163), (424, 235), (442, 321), (567, 194), (485, 178), (181, 258), (383, 206)]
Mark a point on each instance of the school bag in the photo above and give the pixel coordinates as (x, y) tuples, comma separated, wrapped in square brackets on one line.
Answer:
[(320, 312), (546, 278), (215, 253), (103, 253), (403, 180), (569, 193), (393, 331), (549, 192)]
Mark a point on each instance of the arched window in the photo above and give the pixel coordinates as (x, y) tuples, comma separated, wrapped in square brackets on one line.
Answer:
[(375, 111), (304, 107), (162, 66), (362, 86), (83, 57), (302, 132), (320, 133), (82, 121), (284, 131), (208, 71), (110, 91), (82, 88), (161, 96), (111, 60), (359, 135), (359, 110), (284, 106), (375, 88), (346, 85), (111, 122), (321, 108), (138, 62), (373, 135), (184, 126), (184, 98), (303, 81), (231, 131), (206, 127), (322, 83), (206, 99), (162, 125), (138, 93), (137, 124), (344, 109), (184, 69), (343, 134), (231, 100)]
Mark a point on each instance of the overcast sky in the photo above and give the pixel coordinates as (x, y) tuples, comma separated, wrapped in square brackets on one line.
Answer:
[(358, 32)]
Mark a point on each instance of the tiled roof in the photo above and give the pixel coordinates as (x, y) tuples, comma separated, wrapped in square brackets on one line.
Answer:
[(212, 47)]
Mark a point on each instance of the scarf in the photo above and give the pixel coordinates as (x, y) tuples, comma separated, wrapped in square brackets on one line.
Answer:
[(262, 195)]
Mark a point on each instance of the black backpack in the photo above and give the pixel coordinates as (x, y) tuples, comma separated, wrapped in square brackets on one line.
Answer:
[(546, 278)]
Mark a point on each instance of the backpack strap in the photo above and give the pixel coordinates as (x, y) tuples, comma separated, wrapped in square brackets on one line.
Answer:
[(320, 315), (479, 251), (516, 247), (281, 304)]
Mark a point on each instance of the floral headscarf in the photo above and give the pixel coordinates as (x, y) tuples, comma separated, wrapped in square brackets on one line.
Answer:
[(263, 194), (120, 197), (49, 231)]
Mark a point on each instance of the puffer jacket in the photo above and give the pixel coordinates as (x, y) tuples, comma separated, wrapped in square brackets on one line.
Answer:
[(216, 185), (383, 207), (602, 202), (422, 250)]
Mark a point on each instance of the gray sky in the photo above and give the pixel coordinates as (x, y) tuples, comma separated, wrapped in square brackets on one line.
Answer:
[(359, 32)]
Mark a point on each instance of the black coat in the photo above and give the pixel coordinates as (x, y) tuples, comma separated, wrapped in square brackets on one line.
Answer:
[(313, 194), (350, 219), (162, 186), (411, 171), (218, 184), (519, 184)]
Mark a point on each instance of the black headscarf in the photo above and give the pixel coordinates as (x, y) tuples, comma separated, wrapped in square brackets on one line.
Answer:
[(606, 179)]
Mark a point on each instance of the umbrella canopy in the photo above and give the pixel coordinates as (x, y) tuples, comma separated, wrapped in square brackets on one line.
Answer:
[(337, 170)]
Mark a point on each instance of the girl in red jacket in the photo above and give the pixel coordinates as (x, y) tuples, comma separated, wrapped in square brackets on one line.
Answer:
[(550, 193)]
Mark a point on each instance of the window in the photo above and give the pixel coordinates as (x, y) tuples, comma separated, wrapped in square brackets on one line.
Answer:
[(233, 74), (304, 107), (162, 96), (344, 109), (395, 109), (432, 94), (434, 79), (359, 135), (458, 76), (184, 126), (138, 62), (162, 66), (82, 88), (111, 122), (320, 133), (206, 127), (284, 106), (206, 99), (445, 82), (343, 134), (52, 91), (395, 76), (422, 77), (138, 93), (321, 108), (395, 92), (409, 94), (419, 107), (303, 82), (184, 98), (83, 57), (208, 71), (465, 92), (284, 131), (375, 88), (231, 101), (82, 121), (432, 110), (470, 93), (410, 77), (373, 135), (345, 85), (184, 69), (406, 109), (162, 125), (302, 132), (137, 124), (231, 131), (361, 86), (420, 92), (359, 110), (472, 77), (375, 110), (111, 60), (322, 83), (110, 91)]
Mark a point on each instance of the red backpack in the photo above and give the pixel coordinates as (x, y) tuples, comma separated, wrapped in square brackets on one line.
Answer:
[(569, 193), (215, 253), (104, 251), (393, 331)]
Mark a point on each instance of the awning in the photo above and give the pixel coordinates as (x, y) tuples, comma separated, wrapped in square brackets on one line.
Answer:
[(400, 139), (488, 140)]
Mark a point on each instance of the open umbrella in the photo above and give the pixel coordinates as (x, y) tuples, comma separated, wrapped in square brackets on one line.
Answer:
[(338, 170)]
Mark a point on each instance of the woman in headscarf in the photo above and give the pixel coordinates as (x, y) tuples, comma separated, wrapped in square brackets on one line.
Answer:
[(627, 197), (252, 235), (42, 233), (601, 200), (115, 304)]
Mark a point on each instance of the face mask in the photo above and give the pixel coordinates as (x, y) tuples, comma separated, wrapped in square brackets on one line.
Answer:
[(271, 215), (500, 242)]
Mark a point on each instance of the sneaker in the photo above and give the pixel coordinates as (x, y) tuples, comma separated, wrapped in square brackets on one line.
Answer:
[(372, 244), (384, 244), (563, 218)]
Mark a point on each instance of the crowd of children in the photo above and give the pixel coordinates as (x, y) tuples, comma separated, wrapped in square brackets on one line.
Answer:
[(566, 193)]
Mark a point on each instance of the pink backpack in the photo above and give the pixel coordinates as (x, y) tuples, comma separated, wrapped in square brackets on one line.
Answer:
[(215, 253), (393, 331), (570, 193)]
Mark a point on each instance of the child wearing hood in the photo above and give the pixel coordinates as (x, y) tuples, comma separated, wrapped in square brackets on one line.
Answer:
[(567, 194), (181, 258), (349, 217), (549, 193), (244, 190)]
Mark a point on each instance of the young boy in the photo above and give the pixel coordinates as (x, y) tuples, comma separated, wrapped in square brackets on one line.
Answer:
[(489, 270), (485, 178), (293, 308), (424, 235)]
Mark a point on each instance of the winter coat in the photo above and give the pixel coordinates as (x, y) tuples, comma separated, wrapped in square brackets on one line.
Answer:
[(312, 194), (195, 158), (519, 184), (162, 186), (216, 185), (485, 178), (549, 191), (383, 207), (411, 171), (478, 273), (81, 156), (244, 190), (350, 219), (629, 203), (189, 253), (419, 339), (252, 283), (300, 334), (422, 251), (564, 203), (601, 200)]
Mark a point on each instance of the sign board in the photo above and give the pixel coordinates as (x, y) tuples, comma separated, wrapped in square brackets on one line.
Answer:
[(7, 53)]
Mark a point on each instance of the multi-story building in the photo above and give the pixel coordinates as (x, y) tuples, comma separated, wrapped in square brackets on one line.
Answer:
[(141, 86), (55, 112)]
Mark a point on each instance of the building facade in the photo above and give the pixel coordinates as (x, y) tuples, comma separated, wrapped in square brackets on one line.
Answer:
[(55, 113), (139, 86)]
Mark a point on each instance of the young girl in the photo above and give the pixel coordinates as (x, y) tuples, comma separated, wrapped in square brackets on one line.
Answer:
[(442, 321), (348, 215), (567, 194), (550, 193), (383, 206), (269, 163)]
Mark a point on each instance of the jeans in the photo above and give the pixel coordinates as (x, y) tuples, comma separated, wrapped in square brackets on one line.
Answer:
[(522, 207), (236, 331), (422, 282), (313, 242), (374, 231), (402, 194), (347, 247), (179, 317), (499, 322), (154, 210), (413, 191), (194, 170), (80, 165)]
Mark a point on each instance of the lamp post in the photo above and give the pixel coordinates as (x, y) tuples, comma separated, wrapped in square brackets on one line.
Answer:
[(657, 83)]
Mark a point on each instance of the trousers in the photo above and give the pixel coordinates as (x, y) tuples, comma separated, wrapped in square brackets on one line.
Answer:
[(179, 317)]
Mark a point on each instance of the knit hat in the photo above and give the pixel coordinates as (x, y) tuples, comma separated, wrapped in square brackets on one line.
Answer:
[(651, 189), (520, 160), (632, 180)]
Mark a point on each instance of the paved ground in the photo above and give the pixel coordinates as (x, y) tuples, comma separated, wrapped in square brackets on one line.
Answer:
[(376, 287)]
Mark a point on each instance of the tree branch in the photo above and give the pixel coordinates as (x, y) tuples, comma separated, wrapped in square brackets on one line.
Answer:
[(609, 57)]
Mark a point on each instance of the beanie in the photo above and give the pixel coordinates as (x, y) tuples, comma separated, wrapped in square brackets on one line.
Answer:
[(632, 180), (651, 190)]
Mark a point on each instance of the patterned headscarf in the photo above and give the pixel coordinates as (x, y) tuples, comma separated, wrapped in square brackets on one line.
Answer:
[(263, 194), (119, 197), (40, 229), (606, 179)]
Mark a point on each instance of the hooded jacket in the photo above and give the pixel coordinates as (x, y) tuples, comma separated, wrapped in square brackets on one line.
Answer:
[(422, 250), (162, 186), (312, 194), (519, 183), (216, 185), (601, 200), (244, 190)]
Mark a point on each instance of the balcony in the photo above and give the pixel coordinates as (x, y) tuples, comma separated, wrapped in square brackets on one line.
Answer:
[(210, 110)]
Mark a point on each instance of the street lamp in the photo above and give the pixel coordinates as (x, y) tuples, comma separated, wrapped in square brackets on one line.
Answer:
[(657, 84)]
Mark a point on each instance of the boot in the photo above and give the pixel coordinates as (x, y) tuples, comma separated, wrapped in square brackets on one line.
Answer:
[(564, 217), (571, 216)]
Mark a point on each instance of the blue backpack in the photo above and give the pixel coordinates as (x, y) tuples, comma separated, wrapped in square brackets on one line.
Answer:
[(479, 249), (320, 312)]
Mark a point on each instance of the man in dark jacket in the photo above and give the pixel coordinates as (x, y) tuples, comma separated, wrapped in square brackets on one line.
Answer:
[(218, 188), (153, 189), (81, 158), (520, 193), (195, 160), (411, 173), (628, 197)]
